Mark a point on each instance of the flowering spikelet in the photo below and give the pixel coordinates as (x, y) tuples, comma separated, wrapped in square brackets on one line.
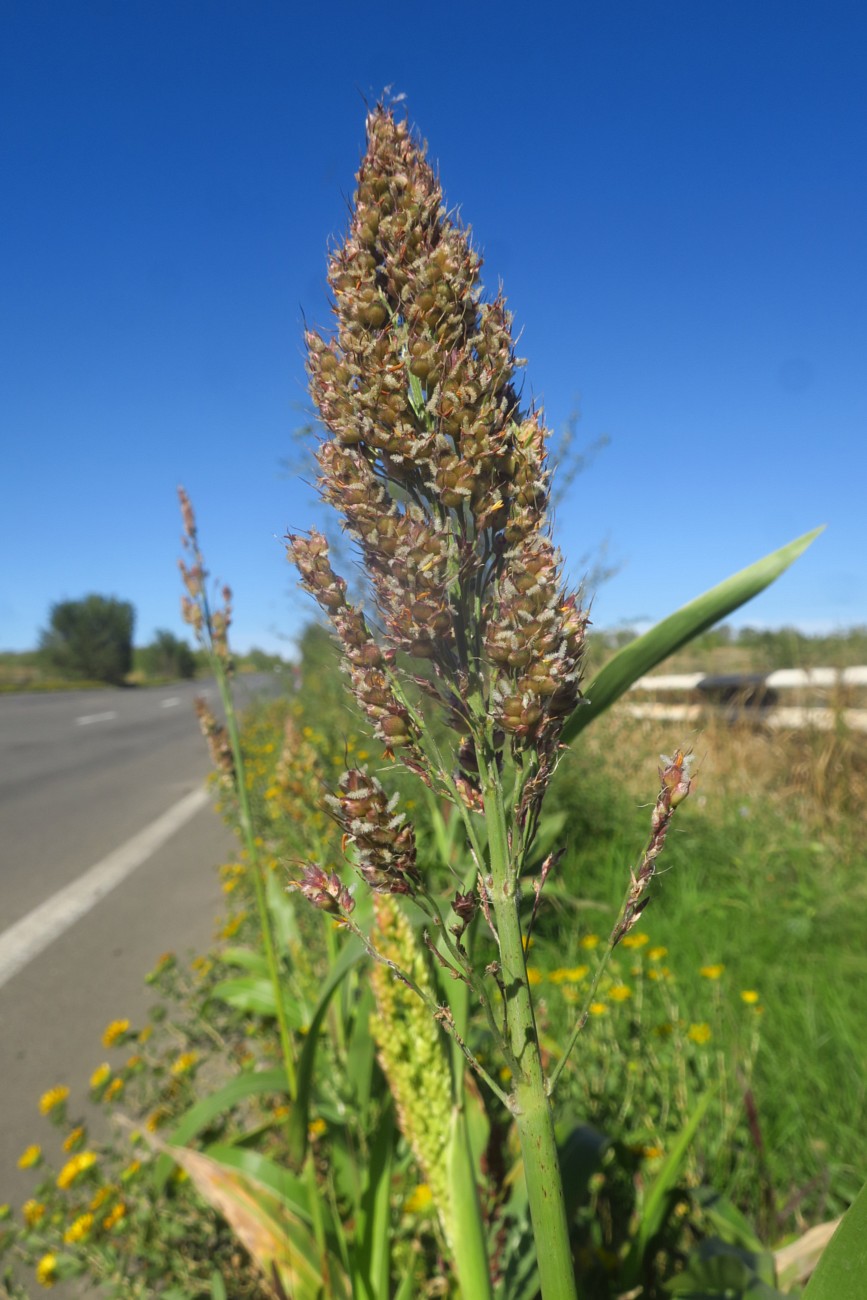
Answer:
[(437, 471), (218, 741), (411, 1049), (675, 780), (384, 841)]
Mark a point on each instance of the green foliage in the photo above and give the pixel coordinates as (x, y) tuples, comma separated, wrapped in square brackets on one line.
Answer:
[(167, 656), (90, 638)]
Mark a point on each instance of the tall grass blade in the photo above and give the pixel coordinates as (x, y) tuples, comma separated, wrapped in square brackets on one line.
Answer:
[(841, 1272), (645, 652)]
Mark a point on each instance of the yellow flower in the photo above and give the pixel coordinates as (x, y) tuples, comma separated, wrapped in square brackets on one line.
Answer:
[(568, 974), (46, 1270), (712, 972), (134, 1061), (34, 1212), (79, 1164), (100, 1076), (55, 1097), (115, 1087), (598, 1008), (590, 941), (700, 1033), (184, 1063), (114, 1032), (101, 1195), (750, 996), (657, 954), (5, 1212), (158, 1117), (78, 1229), (30, 1157), (144, 1034), (114, 1216), (228, 885), (419, 1201), (634, 940), (620, 992), (74, 1139), (316, 1128), (534, 976), (130, 1172)]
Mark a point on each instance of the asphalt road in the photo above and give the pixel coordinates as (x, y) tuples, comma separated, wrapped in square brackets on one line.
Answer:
[(100, 799)]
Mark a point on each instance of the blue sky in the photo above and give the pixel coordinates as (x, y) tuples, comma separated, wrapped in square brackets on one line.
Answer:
[(673, 194)]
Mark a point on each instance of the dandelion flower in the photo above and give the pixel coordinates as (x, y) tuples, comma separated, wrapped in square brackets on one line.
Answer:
[(620, 992), (75, 1138), (114, 1216), (534, 976), (598, 1008), (114, 1032), (73, 1168), (30, 1157), (79, 1229), (634, 940), (100, 1076), (712, 972), (46, 1270), (568, 974), (750, 996), (184, 1063), (590, 941), (700, 1033), (101, 1195), (657, 954), (33, 1212), (53, 1098)]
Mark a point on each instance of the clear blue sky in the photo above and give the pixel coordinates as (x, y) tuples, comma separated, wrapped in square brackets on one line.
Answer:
[(674, 195)]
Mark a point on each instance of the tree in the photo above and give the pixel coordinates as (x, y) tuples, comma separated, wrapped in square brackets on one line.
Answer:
[(90, 638), (167, 656)]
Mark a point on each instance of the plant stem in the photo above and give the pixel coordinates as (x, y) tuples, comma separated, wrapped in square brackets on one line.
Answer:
[(258, 878), (533, 1116)]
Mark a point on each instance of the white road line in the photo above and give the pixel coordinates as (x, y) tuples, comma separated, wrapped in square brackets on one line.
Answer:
[(170, 703), (31, 935), (86, 718)]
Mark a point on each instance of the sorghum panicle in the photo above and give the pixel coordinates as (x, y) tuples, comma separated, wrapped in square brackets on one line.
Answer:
[(439, 474)]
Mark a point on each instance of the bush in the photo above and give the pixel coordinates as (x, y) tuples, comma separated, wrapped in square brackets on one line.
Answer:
[(90, 638), (167, 656)]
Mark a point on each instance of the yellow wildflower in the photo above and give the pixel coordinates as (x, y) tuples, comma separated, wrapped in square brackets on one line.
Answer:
[(74, 1138), (750, 996), (144, 1034), (79, 1164), (419, 1201), (568, 974), (184, 1063), (114, 1216), (30, 1157), (5, 1212), (100, 1076), (634, 940), (158, 1117), (228, 885), (46, 1270), (134, 1061), (113, 1089), (534, 976), (700, 1033), (79, 1229), (53, 1098), (114, 1032), (598, 1008), (712, 972), (657, 954), (101, 1195), (130, 1172), (316, 1128), (620, 992), (590, 941), (33, 1212)]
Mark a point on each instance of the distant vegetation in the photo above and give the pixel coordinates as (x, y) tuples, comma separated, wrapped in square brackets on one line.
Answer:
[(748, 649), (88, 643)]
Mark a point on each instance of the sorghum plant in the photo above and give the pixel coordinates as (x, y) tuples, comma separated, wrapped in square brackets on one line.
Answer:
[(439, 474)]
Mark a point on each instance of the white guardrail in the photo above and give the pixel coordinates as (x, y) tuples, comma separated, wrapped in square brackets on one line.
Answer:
[(755, 696)]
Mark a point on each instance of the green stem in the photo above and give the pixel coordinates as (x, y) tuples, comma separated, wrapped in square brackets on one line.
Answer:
[(529, 1103), (257, 873)]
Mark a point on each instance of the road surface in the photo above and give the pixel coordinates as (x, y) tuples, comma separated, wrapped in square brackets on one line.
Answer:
[(108, 850)]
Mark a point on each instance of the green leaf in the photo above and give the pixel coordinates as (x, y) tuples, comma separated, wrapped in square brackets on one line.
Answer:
[(246, 958), (645, 652), (288, 1186), (658, 1202), (281, 909), (464, 1223), (204, 1112), (218, 1287), (300, 1114), (371, 1258), (254, 995), (843, 1267)]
